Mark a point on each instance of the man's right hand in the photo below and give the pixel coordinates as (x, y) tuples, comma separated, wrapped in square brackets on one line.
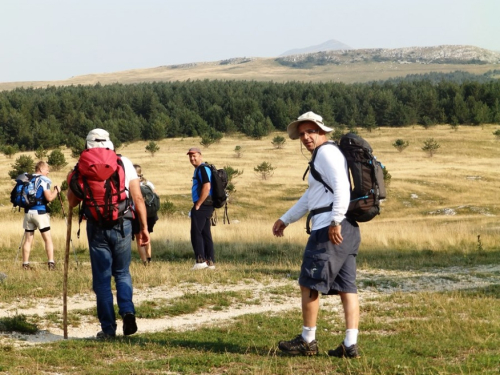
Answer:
[(278, 228)]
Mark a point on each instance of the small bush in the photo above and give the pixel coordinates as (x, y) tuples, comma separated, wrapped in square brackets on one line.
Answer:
[(265, 170), (167, 208), (430, 146), (278, 142), (17, 323), (238, 151), (400, 144), (152, 148), (56, 160), (496, 133), (23, 163)]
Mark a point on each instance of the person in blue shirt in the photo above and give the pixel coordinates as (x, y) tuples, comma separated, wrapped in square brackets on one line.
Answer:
[(37, 217), (201, 236)]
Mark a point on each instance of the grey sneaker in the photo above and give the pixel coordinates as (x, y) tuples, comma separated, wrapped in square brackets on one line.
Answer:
[(52, 266), (104, 336), (299, 346), (26, 266), (345, 352), (129, 324)]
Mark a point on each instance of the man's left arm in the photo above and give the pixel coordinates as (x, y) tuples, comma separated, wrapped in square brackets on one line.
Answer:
[(204, 193)]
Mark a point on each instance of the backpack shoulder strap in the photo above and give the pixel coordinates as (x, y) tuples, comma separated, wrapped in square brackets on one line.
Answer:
[(316, 175)]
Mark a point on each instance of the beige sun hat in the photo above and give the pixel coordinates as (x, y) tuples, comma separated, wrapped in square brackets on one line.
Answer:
[(310, 116), (99, 138)]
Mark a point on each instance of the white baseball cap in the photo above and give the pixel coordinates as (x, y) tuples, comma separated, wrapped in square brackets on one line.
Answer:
[(310, 116)]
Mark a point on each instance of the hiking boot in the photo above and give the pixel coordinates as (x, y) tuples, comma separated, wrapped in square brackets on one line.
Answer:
[(26, 266), (345, 352), (210, 265), (104, 336), (298, 346), (52, 266), (200, 266), (129, 324)]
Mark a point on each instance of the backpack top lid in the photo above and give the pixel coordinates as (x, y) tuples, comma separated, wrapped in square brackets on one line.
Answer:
[(98, 163)]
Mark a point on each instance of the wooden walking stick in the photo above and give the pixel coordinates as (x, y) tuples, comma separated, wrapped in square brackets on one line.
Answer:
[(66, 266)]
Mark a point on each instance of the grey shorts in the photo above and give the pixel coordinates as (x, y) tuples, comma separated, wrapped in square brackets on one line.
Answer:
[(330, 268)]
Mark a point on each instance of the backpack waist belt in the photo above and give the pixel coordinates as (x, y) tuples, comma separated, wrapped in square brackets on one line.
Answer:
[(316, 212)]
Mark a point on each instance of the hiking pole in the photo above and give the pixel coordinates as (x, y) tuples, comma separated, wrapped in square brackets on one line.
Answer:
[(65, 279), (64, 215), (20, 245)]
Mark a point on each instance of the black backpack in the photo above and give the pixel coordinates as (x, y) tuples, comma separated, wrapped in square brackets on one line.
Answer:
[(366, 177), (24, 194), (151, 200), (218, 183)]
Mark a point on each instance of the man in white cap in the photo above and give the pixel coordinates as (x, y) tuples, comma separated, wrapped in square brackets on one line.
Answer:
[(110, 246), (329, 261)]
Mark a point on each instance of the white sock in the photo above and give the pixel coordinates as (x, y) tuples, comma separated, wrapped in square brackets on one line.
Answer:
[(351, 337), (309, 334)]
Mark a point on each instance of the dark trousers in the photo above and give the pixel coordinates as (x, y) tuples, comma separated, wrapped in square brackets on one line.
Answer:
[(201, 236)]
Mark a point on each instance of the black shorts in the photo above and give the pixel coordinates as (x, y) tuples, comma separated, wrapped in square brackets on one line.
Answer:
[(330, 268), (136, 227)]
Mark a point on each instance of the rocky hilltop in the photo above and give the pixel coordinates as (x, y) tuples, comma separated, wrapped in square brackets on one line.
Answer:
[(409, 55)]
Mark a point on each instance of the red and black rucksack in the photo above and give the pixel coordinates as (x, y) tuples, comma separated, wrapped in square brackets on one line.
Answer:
[(98, 180)]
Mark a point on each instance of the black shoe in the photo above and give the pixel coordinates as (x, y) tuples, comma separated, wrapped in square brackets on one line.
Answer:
[(299, 346), (129, 324), (105, 336), (26, 267), (52, 266), (345, 352)]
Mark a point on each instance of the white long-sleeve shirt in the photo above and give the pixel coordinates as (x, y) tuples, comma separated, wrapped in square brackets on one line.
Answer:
[(332, 166)]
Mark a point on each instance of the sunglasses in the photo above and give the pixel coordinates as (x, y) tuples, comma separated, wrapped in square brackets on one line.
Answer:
[(308, 131)]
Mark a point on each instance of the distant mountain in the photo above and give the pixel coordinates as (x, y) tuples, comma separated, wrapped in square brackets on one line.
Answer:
[(409, 55), (331, 45)]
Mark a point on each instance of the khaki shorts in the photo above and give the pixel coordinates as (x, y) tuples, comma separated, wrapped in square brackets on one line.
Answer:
[(34, 221)]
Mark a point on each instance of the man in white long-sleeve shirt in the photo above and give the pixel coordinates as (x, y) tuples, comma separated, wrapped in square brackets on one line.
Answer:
[(329, 262)]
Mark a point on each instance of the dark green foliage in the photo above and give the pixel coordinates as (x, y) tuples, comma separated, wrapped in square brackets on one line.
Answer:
[(62, 116), (400, 144), (152, 148), (264, 170), (23, 164), (10, 151), (167, 208), (56, 160), (231, 174), (431, 146), (17, 323), (496, 133), (278, 141)]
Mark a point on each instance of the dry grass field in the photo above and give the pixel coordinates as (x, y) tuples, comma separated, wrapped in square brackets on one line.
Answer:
[(434, 203), (259, 69)]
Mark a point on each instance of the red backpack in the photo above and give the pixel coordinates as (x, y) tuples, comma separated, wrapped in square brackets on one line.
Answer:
[(98, 179)]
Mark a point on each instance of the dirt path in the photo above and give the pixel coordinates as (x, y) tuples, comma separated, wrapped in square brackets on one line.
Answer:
[(380, 282)]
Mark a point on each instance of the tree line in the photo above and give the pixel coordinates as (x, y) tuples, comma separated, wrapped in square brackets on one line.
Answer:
[(47, 118)]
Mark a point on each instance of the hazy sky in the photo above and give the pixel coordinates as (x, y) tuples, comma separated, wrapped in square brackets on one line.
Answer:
[(57, 39)]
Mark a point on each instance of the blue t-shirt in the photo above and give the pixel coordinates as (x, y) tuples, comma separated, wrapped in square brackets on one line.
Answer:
[(201, 176)]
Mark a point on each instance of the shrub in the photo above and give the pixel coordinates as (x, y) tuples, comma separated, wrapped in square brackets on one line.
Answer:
[(23, 163), (496, 133), (231, 173), (10, 151), (278, 142), (152, 148), (265, 170), (238, 151), (430, 146), (167, 208), (56, 160), (400, 144), (41, 153)]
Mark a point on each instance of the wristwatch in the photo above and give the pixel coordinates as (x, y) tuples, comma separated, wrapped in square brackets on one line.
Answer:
[(335, 223)]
